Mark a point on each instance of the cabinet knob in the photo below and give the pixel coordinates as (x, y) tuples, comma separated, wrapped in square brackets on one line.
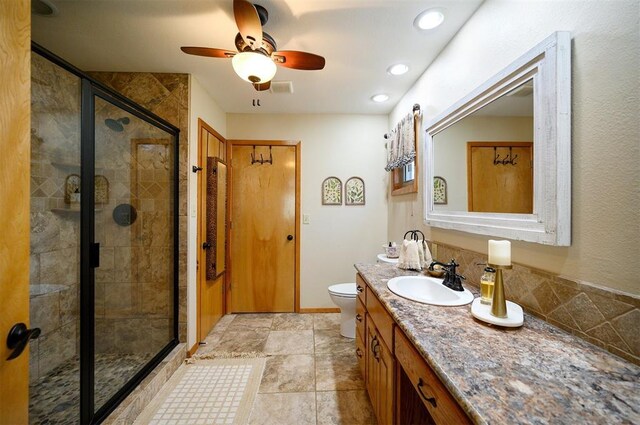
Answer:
[(359, 318), (431, 400), (358, 352), (359, 288)]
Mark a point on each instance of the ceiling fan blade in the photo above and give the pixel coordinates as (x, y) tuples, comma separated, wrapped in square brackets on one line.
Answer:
[(262, 86), (209, 52), (248, 23), (298, 60)]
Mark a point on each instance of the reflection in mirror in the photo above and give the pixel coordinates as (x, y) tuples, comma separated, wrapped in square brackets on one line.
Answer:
[(486, 158)]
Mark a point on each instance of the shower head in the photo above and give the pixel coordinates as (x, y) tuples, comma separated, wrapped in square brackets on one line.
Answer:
[(116, 125)]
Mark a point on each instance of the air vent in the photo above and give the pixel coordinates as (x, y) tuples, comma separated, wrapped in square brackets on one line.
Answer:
[(282, 87)]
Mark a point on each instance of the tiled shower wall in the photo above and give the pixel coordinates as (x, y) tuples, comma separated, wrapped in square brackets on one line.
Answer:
[(166, 95), (602, 316), (55, 228)]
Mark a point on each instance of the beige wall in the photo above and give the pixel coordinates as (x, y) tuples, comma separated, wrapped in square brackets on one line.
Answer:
[(605, 132), (337, 236), (201, 105)]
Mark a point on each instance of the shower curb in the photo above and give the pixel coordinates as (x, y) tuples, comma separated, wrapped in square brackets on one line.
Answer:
[(134, 404)]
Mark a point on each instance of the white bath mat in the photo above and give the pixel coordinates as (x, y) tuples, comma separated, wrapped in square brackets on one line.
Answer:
[(207, 392)]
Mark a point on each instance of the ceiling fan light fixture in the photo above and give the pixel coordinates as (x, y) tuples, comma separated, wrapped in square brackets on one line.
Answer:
[(254, 67), (398, 69), (429, 19), (379, 98)]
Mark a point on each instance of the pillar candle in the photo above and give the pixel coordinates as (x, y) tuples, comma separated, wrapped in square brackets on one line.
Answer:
[(500, 253)]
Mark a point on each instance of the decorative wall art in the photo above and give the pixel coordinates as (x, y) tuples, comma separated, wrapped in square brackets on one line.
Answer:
[(439, 190), (72, 189), (354, 191), (101, 195), (332, 191)]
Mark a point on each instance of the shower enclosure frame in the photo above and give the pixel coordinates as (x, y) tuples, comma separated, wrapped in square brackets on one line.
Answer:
[(90, 251)]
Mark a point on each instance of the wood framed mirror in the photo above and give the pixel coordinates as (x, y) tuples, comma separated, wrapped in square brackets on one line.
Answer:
[(527, 103)]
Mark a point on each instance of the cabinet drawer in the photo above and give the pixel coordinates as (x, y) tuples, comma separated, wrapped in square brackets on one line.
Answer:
[(360, 288), (360, 317), (381, 318), (360, 353), (436, 398)]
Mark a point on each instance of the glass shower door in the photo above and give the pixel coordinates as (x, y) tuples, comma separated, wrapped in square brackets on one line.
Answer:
[(134, 225)]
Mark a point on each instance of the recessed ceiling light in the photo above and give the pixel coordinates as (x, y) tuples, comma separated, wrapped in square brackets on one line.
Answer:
[(398, 69), (429, 19), (379, 98)]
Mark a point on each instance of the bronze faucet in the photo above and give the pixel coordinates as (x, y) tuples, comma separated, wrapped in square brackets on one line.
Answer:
[(452, 279)]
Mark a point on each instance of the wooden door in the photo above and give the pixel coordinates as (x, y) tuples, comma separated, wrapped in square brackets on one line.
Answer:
[(15, 101), (500, 188), (211, 290), (264, 223)]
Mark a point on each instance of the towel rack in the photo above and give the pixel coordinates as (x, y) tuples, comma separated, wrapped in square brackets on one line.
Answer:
[(261, 160), (414, 235)]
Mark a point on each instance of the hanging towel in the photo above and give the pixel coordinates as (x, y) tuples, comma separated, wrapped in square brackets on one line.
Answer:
[(409, 257), (426, 258)]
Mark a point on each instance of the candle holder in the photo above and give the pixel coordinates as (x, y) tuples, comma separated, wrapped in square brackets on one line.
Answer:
[(499, 303)]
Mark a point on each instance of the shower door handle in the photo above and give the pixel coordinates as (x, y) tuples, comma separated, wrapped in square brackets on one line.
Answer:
[(19, 337)]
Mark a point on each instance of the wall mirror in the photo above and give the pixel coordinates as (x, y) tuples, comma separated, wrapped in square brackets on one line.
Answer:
[(504, 151)]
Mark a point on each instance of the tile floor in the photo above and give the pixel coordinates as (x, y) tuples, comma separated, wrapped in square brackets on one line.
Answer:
[(311, 375)]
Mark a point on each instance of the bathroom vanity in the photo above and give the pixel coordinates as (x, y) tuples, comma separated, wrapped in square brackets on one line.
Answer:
[(425, 364)]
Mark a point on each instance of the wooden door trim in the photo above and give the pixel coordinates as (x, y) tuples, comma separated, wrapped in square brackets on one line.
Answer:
[(471, 145), (201, 202), (298, 147)]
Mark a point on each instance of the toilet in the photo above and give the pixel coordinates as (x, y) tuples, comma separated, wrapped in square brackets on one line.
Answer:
[(344, 296)]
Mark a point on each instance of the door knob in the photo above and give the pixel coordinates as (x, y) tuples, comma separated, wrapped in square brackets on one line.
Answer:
[(18, 338), (290, 237)]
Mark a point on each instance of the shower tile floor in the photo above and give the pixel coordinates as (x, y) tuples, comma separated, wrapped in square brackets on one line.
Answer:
[(55, 398)]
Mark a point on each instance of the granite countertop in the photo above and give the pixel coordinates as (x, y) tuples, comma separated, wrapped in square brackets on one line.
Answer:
[(536, 374)]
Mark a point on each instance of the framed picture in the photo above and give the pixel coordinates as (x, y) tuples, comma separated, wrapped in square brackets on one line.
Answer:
[(332, 191), (354, 191), (439, 190)]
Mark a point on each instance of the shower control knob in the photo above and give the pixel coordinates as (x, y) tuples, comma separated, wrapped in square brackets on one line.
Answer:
[(19, 337)]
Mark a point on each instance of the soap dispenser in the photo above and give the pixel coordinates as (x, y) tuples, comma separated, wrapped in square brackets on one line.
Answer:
[(486, 285)]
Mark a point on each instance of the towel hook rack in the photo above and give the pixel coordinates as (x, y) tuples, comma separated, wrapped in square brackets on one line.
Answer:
[(261, 160)]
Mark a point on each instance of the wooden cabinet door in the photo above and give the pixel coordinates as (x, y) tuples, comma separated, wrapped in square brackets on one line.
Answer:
[(386, 373), (15, 101), (371, 365), (380, 374)]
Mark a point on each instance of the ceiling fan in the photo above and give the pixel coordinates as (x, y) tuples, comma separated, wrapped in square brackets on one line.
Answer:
[(257, 55)]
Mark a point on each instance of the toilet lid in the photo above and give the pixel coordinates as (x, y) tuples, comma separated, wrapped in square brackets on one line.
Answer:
[(343, 289)]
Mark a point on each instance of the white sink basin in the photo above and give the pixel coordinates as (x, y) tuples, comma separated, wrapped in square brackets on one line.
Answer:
[(428, 290)]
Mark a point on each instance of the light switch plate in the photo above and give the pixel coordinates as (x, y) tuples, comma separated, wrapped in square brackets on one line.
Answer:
[(305, 218)]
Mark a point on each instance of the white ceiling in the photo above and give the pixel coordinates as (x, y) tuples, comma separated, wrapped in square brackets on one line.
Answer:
[(359, 39)]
